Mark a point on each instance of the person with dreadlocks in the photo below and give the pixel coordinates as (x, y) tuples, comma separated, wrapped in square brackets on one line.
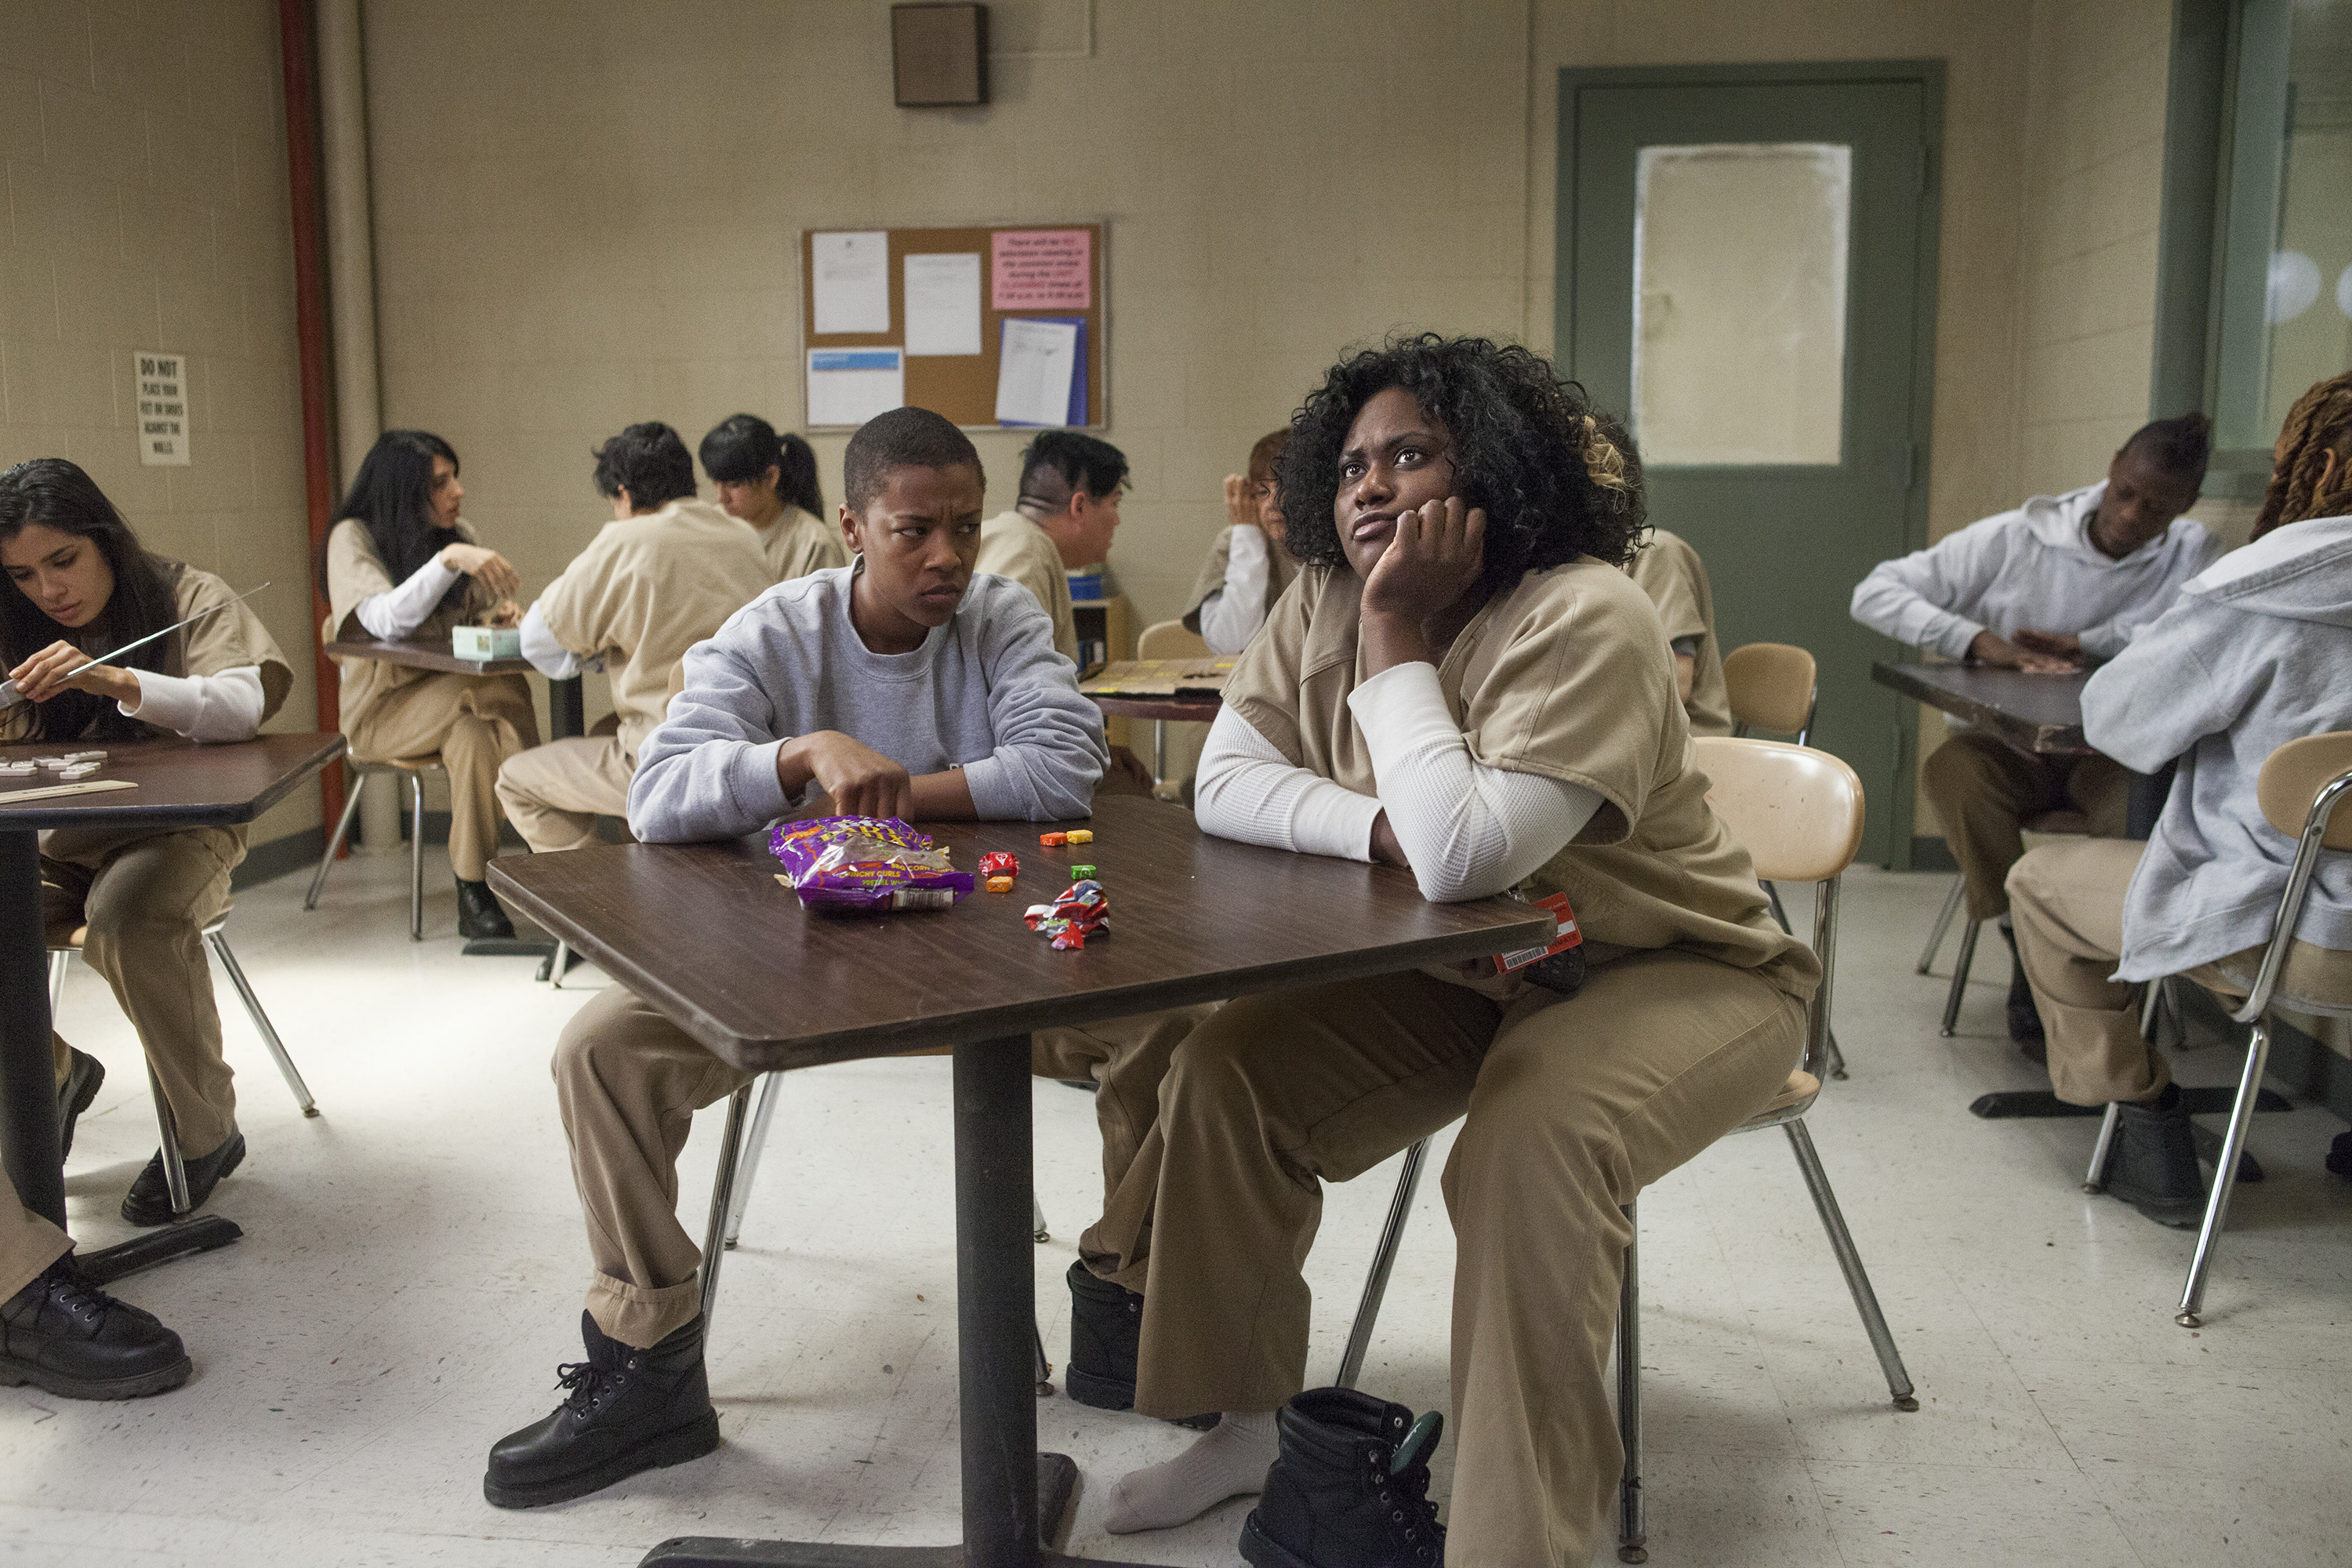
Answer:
[(2059, 580), (2257, 652), (1464, 518), (83, 585)]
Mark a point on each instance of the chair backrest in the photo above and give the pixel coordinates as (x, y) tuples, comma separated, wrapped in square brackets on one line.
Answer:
[(1168, 639), (1771, 686), (2293, 777)]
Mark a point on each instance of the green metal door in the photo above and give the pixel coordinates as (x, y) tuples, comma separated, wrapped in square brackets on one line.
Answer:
[(1746, 269)]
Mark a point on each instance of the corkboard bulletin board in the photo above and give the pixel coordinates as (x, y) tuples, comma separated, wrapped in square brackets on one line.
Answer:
[(962, 387)]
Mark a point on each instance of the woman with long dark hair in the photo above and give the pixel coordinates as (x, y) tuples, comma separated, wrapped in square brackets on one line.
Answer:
[(82, 585), (769, 481), (403, 563), (1463, 682)]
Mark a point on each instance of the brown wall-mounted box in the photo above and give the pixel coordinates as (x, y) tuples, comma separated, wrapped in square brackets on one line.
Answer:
[(939, 56)]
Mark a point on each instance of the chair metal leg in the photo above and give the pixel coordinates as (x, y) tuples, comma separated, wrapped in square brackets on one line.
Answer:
[(58, 959), (1159, 751), (558, 964), (1632, 1515), (261, 1024), (1376, 1283), (1943, 924), (1772, 896), (176, 1167), (1960, 976), (2225, 1176), (1037, 1231), (750, 1163), (1857, 1279), (417, 857), (2095, 1179), (722, 1191), (335, 841)]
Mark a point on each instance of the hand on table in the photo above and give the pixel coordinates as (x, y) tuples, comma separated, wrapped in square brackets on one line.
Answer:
[(504, 614), (861, 781), (2002, 653), (1133, 766), (61, 666), (1386, 850), (487, 567), (2049, 644)]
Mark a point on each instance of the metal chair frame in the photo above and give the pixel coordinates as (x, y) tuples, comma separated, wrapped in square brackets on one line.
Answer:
[(1633, 1528), (176, 1168), (2255, 1012), (360, 773)]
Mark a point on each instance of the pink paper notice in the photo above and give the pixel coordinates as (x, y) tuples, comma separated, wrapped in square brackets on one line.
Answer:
[(1041, 269)]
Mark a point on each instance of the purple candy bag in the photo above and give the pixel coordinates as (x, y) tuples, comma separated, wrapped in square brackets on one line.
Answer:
[(859, 865)]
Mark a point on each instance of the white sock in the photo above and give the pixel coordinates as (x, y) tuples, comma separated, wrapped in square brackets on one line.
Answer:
[(1230, 1459)]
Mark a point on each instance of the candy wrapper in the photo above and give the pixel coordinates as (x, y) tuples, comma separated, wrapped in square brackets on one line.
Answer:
[(1000, 863), (852, 865), (1083, 910)]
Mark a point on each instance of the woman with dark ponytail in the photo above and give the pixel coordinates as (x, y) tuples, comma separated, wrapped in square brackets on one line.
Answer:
[(83, 585), (769, 482), (402, 564)]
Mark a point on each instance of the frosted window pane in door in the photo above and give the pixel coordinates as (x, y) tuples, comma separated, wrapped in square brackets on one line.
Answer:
[(1740, 279)]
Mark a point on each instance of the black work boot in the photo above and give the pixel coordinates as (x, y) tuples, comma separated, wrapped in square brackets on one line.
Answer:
[(1350, 1488), (74, 1095), (479, 918), (1106, 1336), (2024, 1018), (2154, 1164), (67, 1335), (627, 1410), (148, 1201)]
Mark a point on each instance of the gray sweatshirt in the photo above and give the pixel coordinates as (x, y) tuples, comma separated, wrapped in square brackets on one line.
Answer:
[(2257, 652), (986, 691)]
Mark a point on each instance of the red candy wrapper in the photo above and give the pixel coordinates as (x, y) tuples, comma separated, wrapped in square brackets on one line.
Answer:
[(1000, 863), (1083, 910), (862, 865)]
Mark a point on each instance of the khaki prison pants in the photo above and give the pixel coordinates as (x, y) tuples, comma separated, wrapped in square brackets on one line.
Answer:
[(28, 1242), (474, 723), (553, 794), (2068, 901), (1984, 789), (1572, 1109), (629, 1082), (146, 897)]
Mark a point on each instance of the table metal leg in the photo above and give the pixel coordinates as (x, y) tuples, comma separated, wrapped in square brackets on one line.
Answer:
[(1009, 1489), (28, 1079)]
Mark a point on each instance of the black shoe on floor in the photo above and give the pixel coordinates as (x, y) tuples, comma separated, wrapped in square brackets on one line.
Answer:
[(1106, 1335), (2154, 1165), (148, 1201), (627, 1410), (62, 1333), (479, 918), (74, 1095), (1349, 1487), (2025, 1019)]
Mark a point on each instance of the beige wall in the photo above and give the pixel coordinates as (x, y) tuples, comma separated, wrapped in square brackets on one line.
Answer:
[(142, 158)]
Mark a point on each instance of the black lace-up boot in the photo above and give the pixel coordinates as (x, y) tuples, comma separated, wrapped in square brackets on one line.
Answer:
[(624, 1410), (80, 1086), (479, 917), (1351, 1488), (72, 1338), (2154, 1166), (2024, 1017), (1105, 1337)]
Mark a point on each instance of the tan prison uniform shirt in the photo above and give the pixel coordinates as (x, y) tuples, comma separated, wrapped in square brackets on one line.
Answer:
[(645, 590), (798, 544), (1670, 572), (1012, 546), (1282, 570), (356, 572), (1567, 677)]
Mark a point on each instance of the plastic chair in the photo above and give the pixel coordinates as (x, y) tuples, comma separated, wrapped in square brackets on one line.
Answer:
[(414, 769), (2301, 786), (2049, 822), (175, 1170), (1800, 813), (1167, 639)]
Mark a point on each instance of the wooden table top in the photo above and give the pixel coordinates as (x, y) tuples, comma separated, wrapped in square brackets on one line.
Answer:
[(1201, 708), (2033, 712), (425, 655), (179, 781), (707, 934)]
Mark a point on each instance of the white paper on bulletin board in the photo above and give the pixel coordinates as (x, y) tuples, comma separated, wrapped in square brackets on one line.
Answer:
[(944, 303), (849, 386), (1033, 370), (851, 282)]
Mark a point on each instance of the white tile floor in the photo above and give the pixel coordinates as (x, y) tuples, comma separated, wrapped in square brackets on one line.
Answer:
[(411, 1273)]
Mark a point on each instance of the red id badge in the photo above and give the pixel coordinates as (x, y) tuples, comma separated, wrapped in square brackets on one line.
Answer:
[(1565, 936)]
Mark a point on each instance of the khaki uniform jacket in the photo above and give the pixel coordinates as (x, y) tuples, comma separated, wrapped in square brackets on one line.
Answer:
[(1670, 572), (1282, 570), (1012, 546), (645, 590), (1567, 677), (356, 572), (798, 544)]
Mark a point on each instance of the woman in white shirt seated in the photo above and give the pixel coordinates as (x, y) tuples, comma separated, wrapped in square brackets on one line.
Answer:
[(84, 585), (403, 565), (1251, 565)]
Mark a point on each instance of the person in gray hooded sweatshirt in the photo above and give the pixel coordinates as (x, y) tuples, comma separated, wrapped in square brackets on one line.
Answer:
[(2060, 579), (2257, 652)]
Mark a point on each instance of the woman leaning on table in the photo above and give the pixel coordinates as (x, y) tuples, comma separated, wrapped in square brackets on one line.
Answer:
[(403, 565), (83, 585)]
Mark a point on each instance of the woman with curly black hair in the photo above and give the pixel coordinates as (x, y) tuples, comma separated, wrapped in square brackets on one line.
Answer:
[(1463, 682)]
